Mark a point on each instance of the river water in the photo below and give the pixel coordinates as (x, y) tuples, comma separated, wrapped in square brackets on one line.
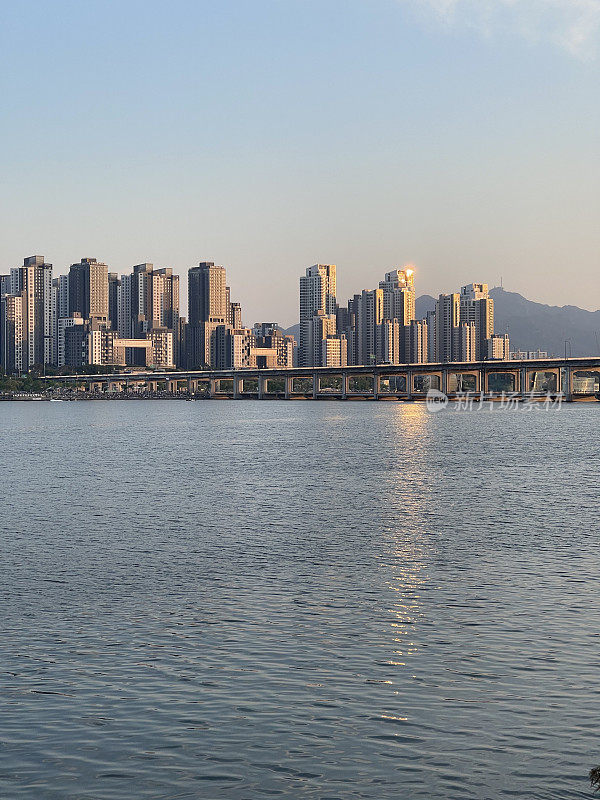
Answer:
[(320, 600)]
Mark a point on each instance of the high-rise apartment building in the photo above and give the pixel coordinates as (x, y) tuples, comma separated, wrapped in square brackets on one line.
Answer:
[(317, 298), (63, 324), (467, 342), (498, 347), (145, 300), (209, 307), (431, 336), (13, 337), (207, 294), (334, 351), (391, 348), (477, 307), (35, 282), (416, 342), (399, 295), (447, 322), (268, 335), (124, 306), (321, 326), (163, 300), (368, 318), (114, 292), (88, 289)]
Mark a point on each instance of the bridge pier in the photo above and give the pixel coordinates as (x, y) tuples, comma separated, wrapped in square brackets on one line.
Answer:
[(523, 383), (566, 383), (344, 386)]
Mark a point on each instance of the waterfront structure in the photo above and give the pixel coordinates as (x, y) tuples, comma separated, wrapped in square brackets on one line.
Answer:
[(317, 299), (568, 379), (88, 289)]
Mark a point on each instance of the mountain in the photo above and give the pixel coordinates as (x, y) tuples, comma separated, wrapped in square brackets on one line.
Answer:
[(535, 326), (423, 305), (293, 331), (532, 326)]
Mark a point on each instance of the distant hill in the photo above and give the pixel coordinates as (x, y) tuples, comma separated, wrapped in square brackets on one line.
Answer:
[(423, 305), (533, 326), (293, 331)]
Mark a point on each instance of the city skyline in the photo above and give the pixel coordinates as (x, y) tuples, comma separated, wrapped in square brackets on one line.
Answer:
[(94, 317), (373, 274)]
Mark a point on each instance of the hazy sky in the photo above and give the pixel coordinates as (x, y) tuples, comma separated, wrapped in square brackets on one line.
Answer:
[(267, 135)]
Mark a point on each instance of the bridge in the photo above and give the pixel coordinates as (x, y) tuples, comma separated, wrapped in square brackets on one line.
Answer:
[(571, 379)]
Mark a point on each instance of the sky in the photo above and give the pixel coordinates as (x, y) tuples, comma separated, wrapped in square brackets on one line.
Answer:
[(461, 136)]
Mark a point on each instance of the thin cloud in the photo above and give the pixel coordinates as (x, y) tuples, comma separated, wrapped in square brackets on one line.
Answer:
[(573, 25)]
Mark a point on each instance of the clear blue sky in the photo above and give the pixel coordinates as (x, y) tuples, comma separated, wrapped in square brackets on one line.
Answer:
[(267, 135)]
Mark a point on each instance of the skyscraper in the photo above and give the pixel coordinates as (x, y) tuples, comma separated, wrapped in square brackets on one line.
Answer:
[(209, 308), (399, 295), (114, 286), (13, 339), (88, 289), (447, 321), (477, 308), (369, 316), (207, 294), (415, 342), (35, 282), (317, 297)]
